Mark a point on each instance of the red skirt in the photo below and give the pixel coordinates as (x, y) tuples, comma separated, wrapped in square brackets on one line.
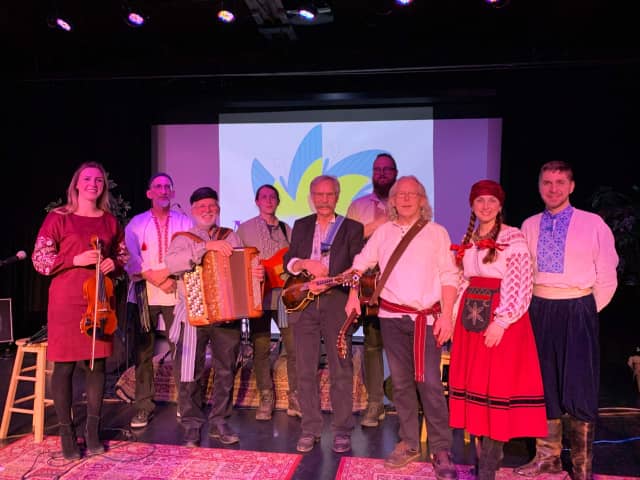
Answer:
[(496, 392)]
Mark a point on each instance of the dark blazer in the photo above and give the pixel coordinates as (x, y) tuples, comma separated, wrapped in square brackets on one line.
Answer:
[(347, 243)]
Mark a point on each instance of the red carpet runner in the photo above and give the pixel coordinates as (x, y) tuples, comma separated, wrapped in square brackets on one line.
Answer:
[(352, 468), (148, 461)]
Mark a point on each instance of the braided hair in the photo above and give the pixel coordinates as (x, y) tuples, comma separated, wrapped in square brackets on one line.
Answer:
[(467, 236), (491, 255)]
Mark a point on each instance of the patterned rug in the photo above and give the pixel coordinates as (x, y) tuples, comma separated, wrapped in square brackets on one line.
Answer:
[(142, 461), (245, 392), (352, 468)]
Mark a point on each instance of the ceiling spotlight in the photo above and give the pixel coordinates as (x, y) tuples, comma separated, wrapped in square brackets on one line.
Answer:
[(59, 23), (497, 3), (308, 13), (404, 2), (305, 12), (133, 16), (135, 19), (225, 16), (225, 12)]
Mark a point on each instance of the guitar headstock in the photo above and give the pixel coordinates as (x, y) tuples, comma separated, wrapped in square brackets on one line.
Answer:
[(349, 279)]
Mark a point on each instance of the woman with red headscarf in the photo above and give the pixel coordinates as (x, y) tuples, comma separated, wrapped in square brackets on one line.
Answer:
[(495, 386)]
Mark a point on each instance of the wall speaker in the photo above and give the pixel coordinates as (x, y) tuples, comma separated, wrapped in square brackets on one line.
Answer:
[(6, 321)]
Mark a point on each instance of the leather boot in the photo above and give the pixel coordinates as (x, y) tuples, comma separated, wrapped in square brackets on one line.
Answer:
[(581, 443), (70, 449), (91, 437), (293, 408), (548, 450), (267, 403), (490, 459)]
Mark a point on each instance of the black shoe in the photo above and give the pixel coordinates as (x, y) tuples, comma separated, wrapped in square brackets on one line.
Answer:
[(92, 437), (341, 443), (224, 433), (306, 442), (192, 437), (372, 416), (443, 465), (141, 419), (69, 442)]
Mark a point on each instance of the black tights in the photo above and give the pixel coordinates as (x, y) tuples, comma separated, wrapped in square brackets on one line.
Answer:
[(62, 390)]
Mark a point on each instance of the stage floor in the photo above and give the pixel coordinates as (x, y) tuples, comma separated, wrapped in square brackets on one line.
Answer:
[(615, 451)]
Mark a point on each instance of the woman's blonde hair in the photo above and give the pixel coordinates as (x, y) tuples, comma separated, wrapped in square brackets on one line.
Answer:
[(102, 202)]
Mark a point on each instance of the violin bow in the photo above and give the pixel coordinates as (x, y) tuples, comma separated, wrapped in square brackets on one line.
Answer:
[(95, 307)]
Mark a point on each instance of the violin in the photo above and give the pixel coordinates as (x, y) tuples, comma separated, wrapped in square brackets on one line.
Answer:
[(100, 318)]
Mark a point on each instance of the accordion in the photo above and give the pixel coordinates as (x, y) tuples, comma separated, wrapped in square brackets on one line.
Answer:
[(223, 288)]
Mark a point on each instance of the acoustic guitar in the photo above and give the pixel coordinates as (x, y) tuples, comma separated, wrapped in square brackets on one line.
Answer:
[(367, 284), (296, 294), (341, 343)]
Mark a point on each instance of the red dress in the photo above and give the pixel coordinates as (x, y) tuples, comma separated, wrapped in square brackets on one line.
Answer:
[(61, 237), (497, 392)]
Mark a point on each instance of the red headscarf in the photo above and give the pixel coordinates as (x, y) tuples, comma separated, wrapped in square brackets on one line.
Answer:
[(486, 187)]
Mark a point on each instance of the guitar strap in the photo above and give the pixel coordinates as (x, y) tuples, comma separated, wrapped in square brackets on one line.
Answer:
[(395, 256), (284, 229), (326, 245)]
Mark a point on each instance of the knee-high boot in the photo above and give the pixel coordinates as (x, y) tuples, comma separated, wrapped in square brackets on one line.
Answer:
[(92, 437), (69, 442), (548, 450), (490, 458), (581, 443)]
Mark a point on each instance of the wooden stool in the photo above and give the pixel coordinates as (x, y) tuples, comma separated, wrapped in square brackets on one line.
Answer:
[(445, 358), (38, 396)]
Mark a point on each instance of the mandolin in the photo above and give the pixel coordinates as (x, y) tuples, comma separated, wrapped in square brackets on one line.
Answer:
[(296, 294)]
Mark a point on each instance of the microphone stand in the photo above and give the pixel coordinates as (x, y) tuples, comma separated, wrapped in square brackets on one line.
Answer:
[(7, 352)]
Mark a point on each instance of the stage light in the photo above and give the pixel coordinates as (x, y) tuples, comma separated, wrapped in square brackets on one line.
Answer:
[(60, 23), (226, 16), (308, 13), (496, 3), (225, 12), (135, 19), (133, 15), (404, 2)]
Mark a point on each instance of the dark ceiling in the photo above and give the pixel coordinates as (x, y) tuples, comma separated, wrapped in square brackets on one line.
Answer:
[(183, 38)]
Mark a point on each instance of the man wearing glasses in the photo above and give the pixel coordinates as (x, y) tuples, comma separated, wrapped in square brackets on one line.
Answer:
[(416, 318), (152, 291), (372, 211), (322, 244)]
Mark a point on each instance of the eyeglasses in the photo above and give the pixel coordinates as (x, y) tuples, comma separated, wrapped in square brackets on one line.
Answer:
[(385, 170), (168, 188), (323, 194), (410, 195)]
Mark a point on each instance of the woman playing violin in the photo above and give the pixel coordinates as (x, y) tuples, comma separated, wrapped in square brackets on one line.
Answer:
[(65, 249)]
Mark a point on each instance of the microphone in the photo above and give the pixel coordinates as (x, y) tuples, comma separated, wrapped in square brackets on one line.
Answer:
[(21, 255)]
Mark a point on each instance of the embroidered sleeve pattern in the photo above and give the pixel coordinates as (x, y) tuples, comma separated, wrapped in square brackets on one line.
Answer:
[(45, 256), (516, 288)]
